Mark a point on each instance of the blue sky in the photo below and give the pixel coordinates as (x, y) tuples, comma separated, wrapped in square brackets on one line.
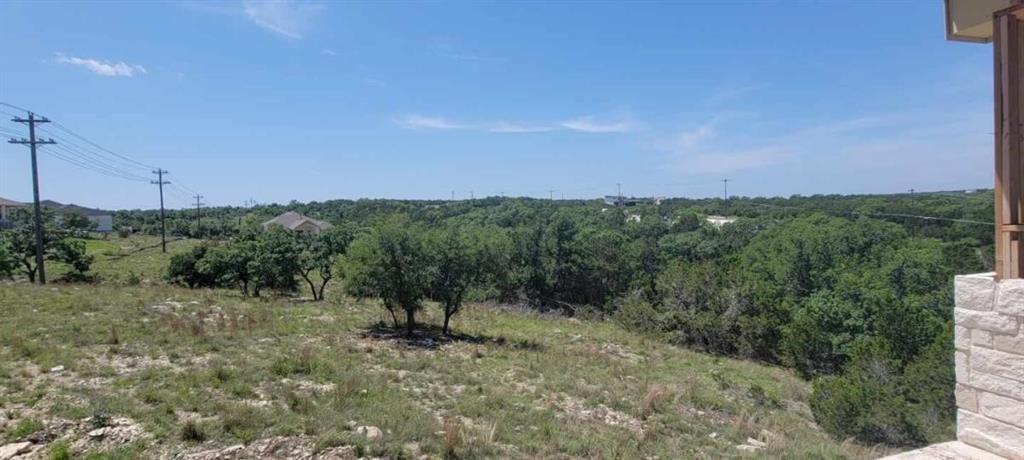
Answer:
[(317, 100)]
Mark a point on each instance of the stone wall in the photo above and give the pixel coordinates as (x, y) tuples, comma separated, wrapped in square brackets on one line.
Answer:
[(990, 364)]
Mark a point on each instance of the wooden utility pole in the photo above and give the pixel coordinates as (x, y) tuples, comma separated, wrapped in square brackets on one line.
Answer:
[(163, 225), (199, 217), (32, 142)]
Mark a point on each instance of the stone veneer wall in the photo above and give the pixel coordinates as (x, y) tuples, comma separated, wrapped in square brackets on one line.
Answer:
[(990, 364)]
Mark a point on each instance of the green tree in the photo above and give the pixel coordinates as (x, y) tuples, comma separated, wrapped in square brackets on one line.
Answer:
[(231, 264), (454, 255), (389, 262), (318, 254), (8, 260), (184, 268)]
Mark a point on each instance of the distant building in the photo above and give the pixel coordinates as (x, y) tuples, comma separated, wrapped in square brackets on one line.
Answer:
[(719, 221), (612, 200), (103, 220), (298, 223), (7, 207)]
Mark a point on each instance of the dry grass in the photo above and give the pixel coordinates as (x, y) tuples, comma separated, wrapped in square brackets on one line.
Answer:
[(200, 370)]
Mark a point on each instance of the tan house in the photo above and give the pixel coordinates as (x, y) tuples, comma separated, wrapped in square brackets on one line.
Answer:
[(298, 223), (8, 206)]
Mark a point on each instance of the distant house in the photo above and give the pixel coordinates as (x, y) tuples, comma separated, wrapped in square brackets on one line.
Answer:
[(298, 223), (103, 220), (7, 207), (719, 221)]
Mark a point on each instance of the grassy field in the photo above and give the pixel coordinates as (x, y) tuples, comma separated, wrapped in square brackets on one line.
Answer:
[(132, 368)]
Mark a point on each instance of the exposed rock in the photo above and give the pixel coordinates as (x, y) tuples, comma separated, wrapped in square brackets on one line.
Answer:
[(748, 448), (370, 432), (756, 443), (9, 451)]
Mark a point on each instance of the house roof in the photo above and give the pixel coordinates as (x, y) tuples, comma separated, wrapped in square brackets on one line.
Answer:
[(292, 220), (6, 202)]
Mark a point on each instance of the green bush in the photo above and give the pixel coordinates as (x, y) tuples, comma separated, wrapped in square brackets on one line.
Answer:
[(184, 270), (866, 401)]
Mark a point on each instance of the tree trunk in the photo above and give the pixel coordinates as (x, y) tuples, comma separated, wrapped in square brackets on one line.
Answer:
[(394, 319), (447, 316), (312, 287), (323, 284), (410, 321)]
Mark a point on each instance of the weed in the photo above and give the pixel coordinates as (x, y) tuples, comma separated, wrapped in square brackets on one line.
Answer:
[(654, 400), (451, 440), (113, 338), (25, 427), (60, 450), (191, 432)]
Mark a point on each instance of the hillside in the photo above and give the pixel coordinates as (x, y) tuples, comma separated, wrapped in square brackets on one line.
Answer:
[(132, 368)]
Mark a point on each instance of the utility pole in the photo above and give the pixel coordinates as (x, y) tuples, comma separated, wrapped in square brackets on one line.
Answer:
[(453, 195), (725, 185), (471, 197), (551, 195), (199, 218), (32, 142), (163, 225), (911, 191), (620, 203)]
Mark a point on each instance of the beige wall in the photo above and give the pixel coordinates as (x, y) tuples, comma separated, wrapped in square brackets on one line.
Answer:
[(989, 359)]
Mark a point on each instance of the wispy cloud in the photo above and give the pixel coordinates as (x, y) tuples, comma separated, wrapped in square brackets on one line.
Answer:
[(328, 52), (581, 125), (731, 94), (424, 122), (288, 18), (589, 125), (517, 128), (103, 68), (855, 143)]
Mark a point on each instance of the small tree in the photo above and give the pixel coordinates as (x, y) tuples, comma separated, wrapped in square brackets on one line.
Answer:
[(388, 262), (233, 264), (59, 244), (8, 261), (184, 268), (455, 256), (72, 252), (317, 258), (276, 260)]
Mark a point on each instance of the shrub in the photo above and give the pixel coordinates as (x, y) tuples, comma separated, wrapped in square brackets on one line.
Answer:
[(191, 432), (865, 403), (184, 269)]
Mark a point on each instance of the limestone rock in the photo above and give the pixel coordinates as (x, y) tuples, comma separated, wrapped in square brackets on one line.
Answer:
[(1001, 408), (975, 292), (996, 362), (990, 435), (370, 432), (966, 397), (998, 385), (986, 320), (1010, 297), (9, 451)]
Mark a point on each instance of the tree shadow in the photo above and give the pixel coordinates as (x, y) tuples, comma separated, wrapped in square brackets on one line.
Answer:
[(432, 337)]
